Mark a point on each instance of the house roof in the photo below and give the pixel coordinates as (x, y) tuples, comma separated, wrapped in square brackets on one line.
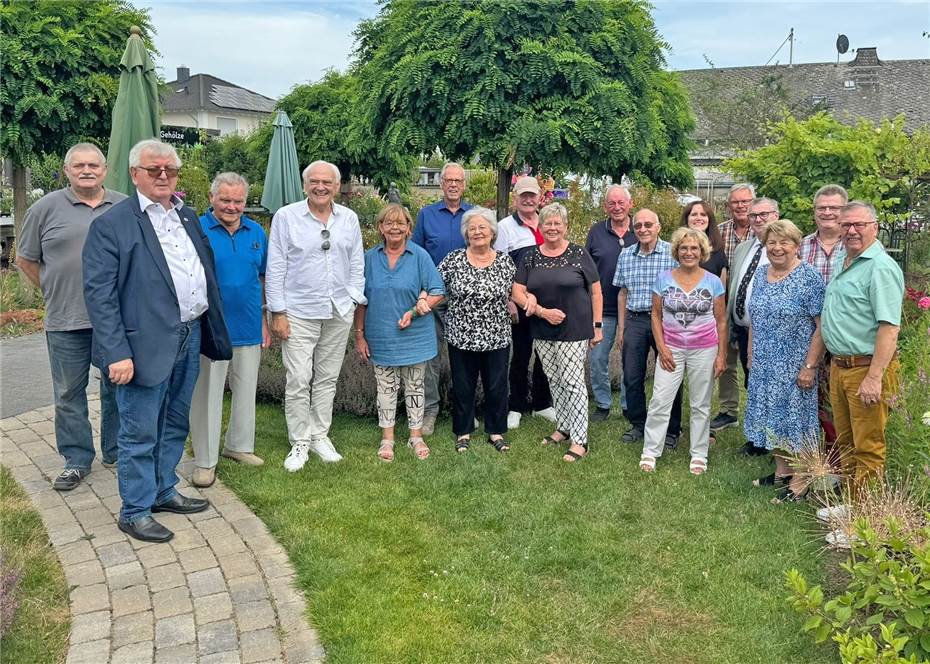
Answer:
[(205, 92), (863, 87)]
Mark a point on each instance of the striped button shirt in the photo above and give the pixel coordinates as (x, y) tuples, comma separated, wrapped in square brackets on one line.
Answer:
[(637, 272), (813, 252), (731, 239)]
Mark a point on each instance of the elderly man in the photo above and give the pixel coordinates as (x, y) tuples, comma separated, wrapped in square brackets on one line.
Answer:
[(861, 317), (49, 254), (315, 278), (153, 300), (439, 231), (240, 250), (733, 232), (749, 255), (515, 234), (606, 240), (637, 269)]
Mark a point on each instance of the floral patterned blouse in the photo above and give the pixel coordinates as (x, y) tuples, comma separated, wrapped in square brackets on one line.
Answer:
[(476, 297)]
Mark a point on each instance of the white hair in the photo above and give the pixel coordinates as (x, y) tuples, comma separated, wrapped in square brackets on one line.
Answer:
[(481, 213), (230, 179), (740, 186), (155, 148), (447, 165), (84, 147), (319, 162)]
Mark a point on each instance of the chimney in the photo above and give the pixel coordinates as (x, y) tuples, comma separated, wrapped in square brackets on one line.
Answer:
[(863, 70), (866, 57), (183, 74)]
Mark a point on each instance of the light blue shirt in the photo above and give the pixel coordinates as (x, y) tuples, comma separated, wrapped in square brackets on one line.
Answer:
[(390, 293)]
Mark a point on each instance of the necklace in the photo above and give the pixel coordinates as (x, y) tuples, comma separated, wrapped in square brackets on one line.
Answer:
[(481, 261), (778, 275)]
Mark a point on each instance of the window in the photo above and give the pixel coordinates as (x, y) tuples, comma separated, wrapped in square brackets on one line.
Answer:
[(849, 84), (227, 125)]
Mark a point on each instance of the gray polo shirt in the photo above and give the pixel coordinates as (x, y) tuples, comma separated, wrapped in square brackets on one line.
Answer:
[(53, 236)]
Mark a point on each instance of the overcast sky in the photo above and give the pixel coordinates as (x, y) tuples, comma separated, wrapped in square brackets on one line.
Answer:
[(271, 46)]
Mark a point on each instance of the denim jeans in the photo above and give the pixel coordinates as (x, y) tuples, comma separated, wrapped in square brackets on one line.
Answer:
[(154, 423), (69, 358), (599, 359), (637, 340)]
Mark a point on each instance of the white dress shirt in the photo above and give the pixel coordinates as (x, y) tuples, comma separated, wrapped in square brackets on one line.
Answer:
[(190, 281), (763, 260), (306, 280)]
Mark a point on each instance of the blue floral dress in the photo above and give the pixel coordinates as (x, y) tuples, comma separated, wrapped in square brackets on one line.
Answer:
[(779, 413)]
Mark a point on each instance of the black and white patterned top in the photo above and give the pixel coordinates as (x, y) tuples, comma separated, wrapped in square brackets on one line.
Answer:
[(477, 318)]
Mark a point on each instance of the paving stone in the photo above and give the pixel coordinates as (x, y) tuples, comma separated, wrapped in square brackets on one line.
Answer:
[(284, 591), (154, 556), (131, 600), (48, 498), (106, 487), (106, 534), (125, 575), (238, 565), (137, 653), (185, 654), (228, 544), (249, 527), (247, 589), (87, 599), (292, 616), (11, 424), (56, 516), (49, 463), (174, 522), (212, 608), (228, 657), (43, 428), (94, 517), (233, 510), (90, 627), (171, 602), (115, 554), (218, 495), (276, 565), (113, 505), (217, 637), (174, 631), (87, 573), (254, 615), (206, 582), (92, 652), (187, 539), (259, 645), (165, 576), (65, 534), (24, 438), (212, 528), (133, 628), (194, 560), (15, 458), (305, 653)]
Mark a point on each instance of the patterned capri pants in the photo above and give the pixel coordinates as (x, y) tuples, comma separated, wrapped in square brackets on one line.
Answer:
[(388, 381), (563, 362)]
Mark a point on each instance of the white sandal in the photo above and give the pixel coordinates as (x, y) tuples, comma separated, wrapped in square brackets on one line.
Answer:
[(698, 466), (419, 447), (647, 463), (386, 450)]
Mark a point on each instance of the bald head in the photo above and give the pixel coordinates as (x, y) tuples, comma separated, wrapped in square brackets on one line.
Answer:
[(646, 226)]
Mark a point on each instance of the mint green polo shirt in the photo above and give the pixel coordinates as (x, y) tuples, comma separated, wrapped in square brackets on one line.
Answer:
[(858, 297)]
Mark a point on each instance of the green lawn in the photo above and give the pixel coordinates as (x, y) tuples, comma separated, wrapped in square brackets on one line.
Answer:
[(520, 557)]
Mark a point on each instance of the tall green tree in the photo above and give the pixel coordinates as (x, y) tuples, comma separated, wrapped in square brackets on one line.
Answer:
[(59, 76), (557, 84)]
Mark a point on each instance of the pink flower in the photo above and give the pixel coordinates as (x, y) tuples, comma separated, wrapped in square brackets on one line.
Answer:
[(924, 302)]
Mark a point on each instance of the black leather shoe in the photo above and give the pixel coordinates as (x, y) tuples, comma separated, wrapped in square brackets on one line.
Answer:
[(182, 505), (146, 529), (599, 414), (751, 450)]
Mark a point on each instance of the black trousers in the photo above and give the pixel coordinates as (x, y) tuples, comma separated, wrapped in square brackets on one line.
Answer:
[(519, 371), (466, 367), (637, 341), (742, 343)]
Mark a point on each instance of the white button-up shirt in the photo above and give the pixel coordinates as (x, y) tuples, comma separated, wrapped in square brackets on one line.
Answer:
[(763, 260), (190, 281), (306, 280)]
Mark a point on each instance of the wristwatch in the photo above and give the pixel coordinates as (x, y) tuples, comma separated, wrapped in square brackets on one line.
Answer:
[(598, 325), (810, 366)]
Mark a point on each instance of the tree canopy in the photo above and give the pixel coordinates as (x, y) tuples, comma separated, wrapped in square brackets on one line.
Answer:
[(574, 85)]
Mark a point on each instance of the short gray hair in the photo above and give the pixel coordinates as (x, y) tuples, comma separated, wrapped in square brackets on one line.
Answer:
[(84, 147), (448, 164), (740, 186), (553, 210), (481, 213), (764, 199), (155, 148), (860, 205), (320, 162), (230, 179), (625, 190), (832, 190)]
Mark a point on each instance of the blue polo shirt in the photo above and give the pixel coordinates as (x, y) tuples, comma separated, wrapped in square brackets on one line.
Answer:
[(438, 230), (240, 261), (392, 292), (605, 246)]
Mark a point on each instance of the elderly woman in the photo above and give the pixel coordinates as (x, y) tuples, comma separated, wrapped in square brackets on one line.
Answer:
[(699, 215), (558, 284), (785, 348), (478, 280), (690, 329), (396, 330)]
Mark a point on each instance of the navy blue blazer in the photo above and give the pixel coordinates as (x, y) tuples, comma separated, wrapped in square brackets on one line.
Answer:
[(131, 299)]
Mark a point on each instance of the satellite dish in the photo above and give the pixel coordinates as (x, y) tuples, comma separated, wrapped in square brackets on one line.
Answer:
[(842, 44)]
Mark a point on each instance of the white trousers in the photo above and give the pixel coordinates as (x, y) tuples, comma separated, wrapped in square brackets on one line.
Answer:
[(699, 364), (388, 381), (313, 358), (207, 405)]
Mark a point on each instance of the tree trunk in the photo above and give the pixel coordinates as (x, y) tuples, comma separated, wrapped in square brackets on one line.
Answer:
[(19, 198), (504, 176)]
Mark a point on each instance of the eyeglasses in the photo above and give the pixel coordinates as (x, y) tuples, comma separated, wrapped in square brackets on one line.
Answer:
[(828, 208), (765, 214), (645, 224), (743, 203), (858, 225), (325, 235), (453, 180), (156, 171), (394, 223)]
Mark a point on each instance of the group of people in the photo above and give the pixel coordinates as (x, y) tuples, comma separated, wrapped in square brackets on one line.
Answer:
[(169, 306)]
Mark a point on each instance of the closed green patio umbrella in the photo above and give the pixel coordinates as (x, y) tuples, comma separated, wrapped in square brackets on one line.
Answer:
[(282, 177), (135, 114)]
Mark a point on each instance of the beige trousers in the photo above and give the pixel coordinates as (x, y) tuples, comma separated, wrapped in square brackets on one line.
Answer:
[(207, 405)]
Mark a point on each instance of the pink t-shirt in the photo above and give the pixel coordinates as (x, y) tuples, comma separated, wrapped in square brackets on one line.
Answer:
[(688, 318)]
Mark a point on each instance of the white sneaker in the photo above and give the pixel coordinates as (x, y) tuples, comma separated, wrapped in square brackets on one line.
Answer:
[(837, 513), (840, 539), (323, 448), (513, 420), (296, 458), (547, 413)]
